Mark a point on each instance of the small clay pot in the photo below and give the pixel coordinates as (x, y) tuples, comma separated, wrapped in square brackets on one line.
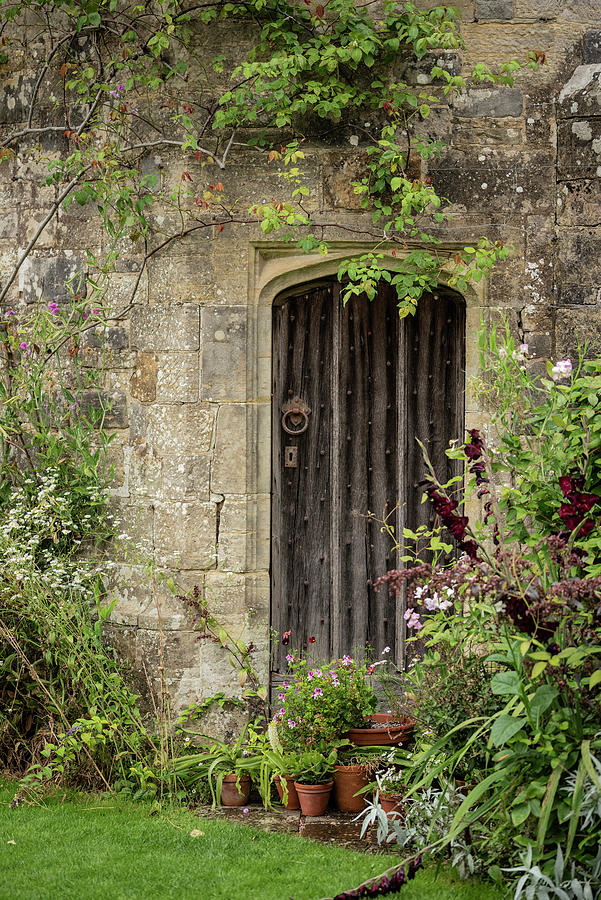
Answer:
[(347, 781), (293, 801), (230, 795), (391, 804), (313, 797), (389, 730)]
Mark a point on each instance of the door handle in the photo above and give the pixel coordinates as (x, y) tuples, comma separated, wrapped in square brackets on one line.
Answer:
[(295, 416)]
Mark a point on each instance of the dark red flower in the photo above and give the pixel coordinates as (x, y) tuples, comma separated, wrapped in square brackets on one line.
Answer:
[(566, 483), (286, 638), (311, 640), (457, 526), (470, 547)]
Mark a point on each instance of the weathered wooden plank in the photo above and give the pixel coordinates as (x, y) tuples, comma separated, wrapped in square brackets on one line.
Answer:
[(301, 564)]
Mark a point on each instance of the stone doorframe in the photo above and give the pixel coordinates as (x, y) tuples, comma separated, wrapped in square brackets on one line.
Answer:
[(274, 268)]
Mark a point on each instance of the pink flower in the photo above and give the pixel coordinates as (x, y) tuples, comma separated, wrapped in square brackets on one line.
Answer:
[(370, 670), (281, 696), (245, 810), (289, 659), (318, 692), (291, 723), (561, 369), (281, 711), (23, 345), (347, 661)]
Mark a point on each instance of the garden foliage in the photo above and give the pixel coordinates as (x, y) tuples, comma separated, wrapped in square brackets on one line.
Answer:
[(523, 634)]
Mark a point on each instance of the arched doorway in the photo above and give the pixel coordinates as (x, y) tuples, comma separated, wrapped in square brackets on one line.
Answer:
[(352, 387)]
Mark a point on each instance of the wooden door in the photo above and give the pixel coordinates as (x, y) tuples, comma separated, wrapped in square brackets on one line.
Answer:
[(352, 388)]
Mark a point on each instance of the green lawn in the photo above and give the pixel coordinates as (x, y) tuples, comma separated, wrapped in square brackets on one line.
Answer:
[(104, 848)]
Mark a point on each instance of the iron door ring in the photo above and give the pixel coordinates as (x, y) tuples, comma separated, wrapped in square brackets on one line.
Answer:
[(295, 416)]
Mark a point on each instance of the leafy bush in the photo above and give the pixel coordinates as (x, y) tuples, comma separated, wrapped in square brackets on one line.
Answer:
[(522, 608)]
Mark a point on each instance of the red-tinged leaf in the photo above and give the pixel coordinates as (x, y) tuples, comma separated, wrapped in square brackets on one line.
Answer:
[(319, 11)]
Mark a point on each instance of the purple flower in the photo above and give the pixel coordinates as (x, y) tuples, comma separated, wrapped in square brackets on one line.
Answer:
[(289, 659), (23, 345), (245, 810), (318, 692), (281, 696), (54, 308), (117, 91), (291, 723), (10, 312)]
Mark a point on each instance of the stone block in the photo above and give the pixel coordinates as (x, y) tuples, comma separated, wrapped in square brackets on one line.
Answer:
[(505, 185), (175, 429), (591, 46), (495, 102), (494, 10), (9, 223), (14, 99), (53, 278), (180, 273), (578, 202), (224, 368), (233, 535), (468, 133), (339, 171), (143, 382), (185, 534), (228, 473), (177, 377), (579, 147), (577, 280), (538, 10), (165, 328), (110, 404), (574, 326), (113, 338), (130, 587), (185, 476), (540, 344), (535, 318), (144, 470), (581, 95)]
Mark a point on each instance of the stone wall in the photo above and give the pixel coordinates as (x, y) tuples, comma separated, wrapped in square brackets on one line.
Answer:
[(190, 367)]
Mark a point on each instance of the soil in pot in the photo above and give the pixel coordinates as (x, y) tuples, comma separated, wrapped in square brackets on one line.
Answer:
[(313, 797), (230, 795), (347, 781), (293, 801), (382, 729)]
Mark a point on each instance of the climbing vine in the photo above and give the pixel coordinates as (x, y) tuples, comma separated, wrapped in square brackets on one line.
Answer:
[(117, 82)]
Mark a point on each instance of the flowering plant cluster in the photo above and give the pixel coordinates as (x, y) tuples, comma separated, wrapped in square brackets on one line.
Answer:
[(320, 702), (512, 623)]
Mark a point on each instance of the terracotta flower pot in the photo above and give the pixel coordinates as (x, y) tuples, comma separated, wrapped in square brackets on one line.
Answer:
[(392, 804), (347, 781), (293, 801), (230, 795), (313, 797), (386, 730)]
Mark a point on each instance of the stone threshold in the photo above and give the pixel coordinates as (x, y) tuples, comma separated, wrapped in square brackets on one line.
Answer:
[(332, 828)]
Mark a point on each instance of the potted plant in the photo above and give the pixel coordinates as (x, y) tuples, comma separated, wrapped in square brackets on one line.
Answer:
[(320, 702), (382, 729), (391, 792), (227, 768), (352, 775), (313, 780)]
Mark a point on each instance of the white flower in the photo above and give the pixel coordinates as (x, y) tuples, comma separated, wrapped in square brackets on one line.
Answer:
[(385, 650)]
